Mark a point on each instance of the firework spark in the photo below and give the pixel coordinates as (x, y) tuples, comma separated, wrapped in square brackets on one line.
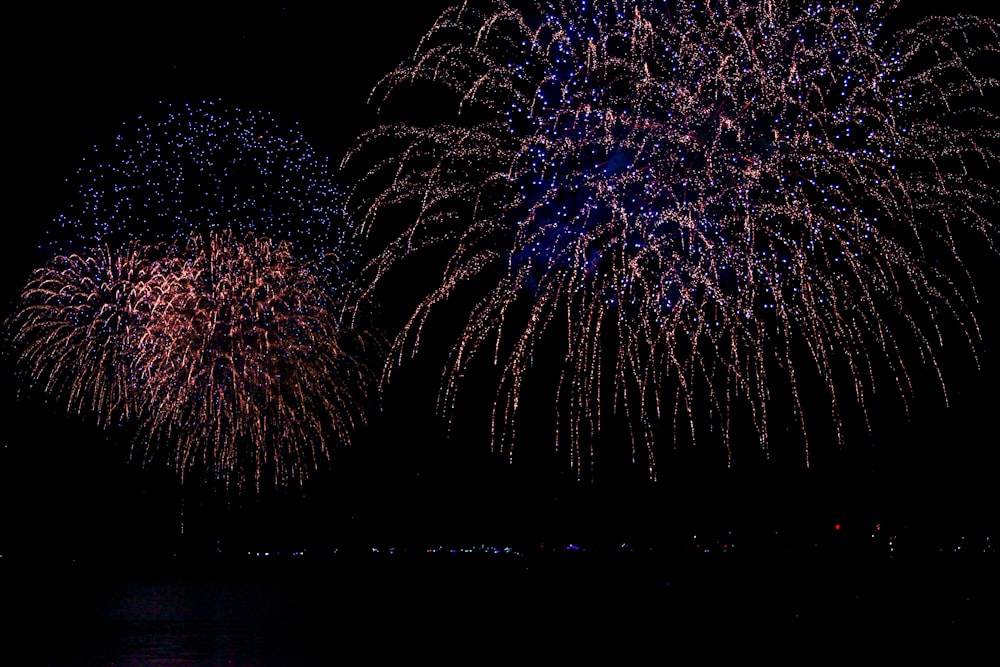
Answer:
[(200, 168), (714, 202), (226, 353)]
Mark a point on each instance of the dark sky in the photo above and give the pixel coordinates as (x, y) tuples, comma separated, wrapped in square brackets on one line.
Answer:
[(77, 74)]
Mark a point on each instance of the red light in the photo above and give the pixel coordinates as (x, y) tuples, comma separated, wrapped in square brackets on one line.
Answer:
[(836, 526)]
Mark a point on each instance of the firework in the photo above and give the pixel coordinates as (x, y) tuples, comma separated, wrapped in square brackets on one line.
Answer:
[(709, 204), (174, 307), (196, 168), (225, 353), (249, 373)]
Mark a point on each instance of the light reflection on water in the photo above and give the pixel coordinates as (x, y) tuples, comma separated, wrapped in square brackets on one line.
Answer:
[(188, 644), (177, 622), (332, 615)]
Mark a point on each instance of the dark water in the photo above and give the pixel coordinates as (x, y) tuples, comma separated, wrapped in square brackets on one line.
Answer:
[(466, 609)]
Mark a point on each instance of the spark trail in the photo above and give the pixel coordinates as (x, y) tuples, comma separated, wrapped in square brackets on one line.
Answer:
[(708, 205)]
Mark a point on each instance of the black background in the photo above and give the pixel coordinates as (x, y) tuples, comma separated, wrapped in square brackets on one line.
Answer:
[(76, 74)]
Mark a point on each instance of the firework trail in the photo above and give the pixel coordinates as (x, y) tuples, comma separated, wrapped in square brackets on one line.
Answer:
[(248, 372), (709, 204), (77, 324)]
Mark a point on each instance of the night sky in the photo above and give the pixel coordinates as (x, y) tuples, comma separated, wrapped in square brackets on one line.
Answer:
[(75, 76)]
